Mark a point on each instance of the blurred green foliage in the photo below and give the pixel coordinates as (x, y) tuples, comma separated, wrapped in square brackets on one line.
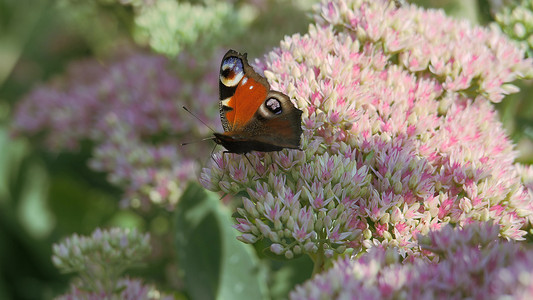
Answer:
[(215, 264), (44, 196)]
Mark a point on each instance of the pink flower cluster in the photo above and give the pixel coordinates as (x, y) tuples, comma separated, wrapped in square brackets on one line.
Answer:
[(99, 260), (476, 61), (130, 109), (473, 264), (390, 150), (101, 254), (126, 289)]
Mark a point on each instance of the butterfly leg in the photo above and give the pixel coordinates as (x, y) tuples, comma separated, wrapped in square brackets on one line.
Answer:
[(247, 158)]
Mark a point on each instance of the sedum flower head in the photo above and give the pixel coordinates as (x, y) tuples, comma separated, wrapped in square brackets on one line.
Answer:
[(126, 289), (516, 20), (171, 26), (104, 251), (474, 264), (477, 61), (400, 136), (130, 111), (99, 261)]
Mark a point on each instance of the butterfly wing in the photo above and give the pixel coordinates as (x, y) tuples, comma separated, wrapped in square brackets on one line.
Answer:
[(253, 117), (276, 121), (242, 91), (276, 125)]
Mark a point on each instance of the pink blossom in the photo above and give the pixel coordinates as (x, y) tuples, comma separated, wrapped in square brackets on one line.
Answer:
[(473, 263), (395, 143), (127, 289), (130, 110)]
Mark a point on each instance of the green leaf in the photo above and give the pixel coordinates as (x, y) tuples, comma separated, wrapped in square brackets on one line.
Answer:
[(286, 275), (215, 264)]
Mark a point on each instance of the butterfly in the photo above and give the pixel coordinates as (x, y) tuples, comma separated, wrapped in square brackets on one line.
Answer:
[(254, 117)]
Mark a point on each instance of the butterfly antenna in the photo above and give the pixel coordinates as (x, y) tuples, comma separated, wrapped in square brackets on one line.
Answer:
[(202, 140), (187, 110)]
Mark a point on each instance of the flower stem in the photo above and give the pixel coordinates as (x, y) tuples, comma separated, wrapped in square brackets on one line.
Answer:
[(318, 260)]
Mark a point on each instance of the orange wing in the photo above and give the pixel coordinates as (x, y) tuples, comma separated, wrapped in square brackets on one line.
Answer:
[(242, 91)]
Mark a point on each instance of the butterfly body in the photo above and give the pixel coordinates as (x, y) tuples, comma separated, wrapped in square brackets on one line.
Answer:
[(243, 144), (254, 117)]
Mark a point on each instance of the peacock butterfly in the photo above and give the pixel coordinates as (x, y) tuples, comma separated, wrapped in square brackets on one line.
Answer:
[(254, 118)]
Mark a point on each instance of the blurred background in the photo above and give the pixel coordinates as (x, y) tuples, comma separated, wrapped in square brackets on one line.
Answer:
[(51, 185)]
